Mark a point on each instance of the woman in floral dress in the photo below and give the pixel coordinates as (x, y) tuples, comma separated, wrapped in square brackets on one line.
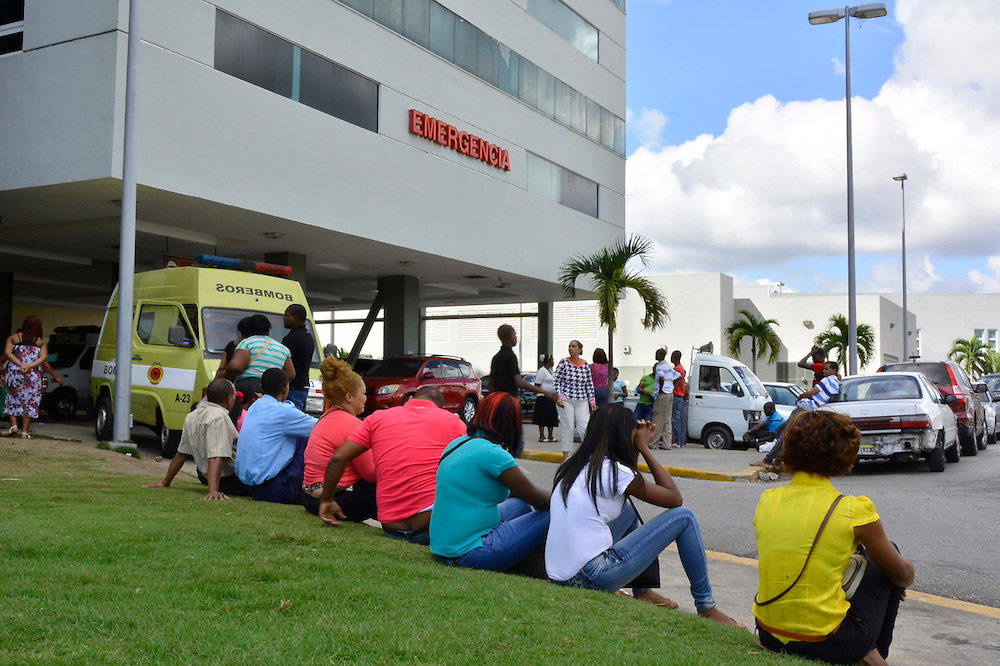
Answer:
[(25, 352)]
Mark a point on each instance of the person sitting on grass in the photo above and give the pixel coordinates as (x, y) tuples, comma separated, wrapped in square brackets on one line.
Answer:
[(483, 514), (809, 527), (344, 390), (269, 456), (406, 444), (209, 436), (766, 430), (595, 540)]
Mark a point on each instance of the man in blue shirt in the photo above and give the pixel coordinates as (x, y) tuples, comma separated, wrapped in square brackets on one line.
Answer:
[(767, 428), (272, 443)]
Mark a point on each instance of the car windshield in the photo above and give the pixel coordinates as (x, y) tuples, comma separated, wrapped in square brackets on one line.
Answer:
[(220, 329), (936, 372), (63, 355), (750, 379), (396, 367), (885, 387), (993, 383), (782, 395)]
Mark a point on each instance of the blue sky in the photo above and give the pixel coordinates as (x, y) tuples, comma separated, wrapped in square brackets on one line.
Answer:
[(766, 186)]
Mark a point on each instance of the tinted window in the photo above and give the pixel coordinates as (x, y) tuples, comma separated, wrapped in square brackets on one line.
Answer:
[(466, 45), (417, 21), (546, 88), (509, 71), (433, 367), (12, 43), (781, 395), (993, 382), (254, 55), (87, 361), (64, 356), (366, 7), (936, 372), (390, 14), (442, 32), (567, 24), (578, 193), (396, 367), (886, 387), (488, 59), (528, 83)]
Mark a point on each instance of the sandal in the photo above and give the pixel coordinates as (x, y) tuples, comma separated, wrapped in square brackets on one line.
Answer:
[(10, 431), (25, 435)]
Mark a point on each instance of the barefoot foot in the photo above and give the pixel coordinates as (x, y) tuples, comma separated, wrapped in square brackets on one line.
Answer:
[(715, 614), (657, 599)]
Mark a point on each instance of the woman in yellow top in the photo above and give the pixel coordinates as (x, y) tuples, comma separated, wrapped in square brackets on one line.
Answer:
[(813, 618)]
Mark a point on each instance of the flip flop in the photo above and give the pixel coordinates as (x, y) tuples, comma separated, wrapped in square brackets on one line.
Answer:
[(25, 435)]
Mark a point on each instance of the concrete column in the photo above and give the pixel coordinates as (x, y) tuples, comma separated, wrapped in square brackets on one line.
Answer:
[(545, 340), (401, 320), (6, 302), (293, 259)]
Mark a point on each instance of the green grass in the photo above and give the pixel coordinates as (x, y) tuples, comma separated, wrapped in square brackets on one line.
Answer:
[(95, 569)]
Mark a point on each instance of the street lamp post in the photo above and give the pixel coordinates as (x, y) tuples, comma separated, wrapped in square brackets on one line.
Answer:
[(906, 336), (873, 10)]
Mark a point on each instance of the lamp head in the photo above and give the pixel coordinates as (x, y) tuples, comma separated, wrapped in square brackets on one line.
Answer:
[(901, 177), (872, 10), (826, 16)]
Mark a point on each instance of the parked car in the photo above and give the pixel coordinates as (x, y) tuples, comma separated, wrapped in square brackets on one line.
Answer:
[(393, 381), (526, 398), (784, 396), (363, 365), (951, 379), (901, 416), (991, 407), (71, 355), (724, 399)]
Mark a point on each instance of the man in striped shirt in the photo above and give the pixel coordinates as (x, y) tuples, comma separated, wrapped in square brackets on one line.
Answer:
[(812, 399)]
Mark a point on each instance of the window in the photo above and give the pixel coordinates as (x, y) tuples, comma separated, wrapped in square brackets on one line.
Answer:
[(561, 185), (254, 55), (978, 333), (716, 378), (442, 32), (566, 23), (390, 14), (509, 70), (155, 322), (332, 89), (434, 367), (991, 338), (11, 26), (916, 347), (417, 22)]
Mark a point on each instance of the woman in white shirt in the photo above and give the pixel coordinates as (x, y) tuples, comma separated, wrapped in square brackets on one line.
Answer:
[(595, 540), (545, 415)]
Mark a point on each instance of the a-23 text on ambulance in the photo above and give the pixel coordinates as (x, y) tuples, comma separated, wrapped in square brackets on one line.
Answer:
[(182, 321)]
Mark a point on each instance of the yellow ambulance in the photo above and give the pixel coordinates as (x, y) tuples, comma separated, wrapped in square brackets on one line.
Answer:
[(183, 319)]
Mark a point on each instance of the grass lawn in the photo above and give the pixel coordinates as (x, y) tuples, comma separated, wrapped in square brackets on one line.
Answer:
[(95, 569)]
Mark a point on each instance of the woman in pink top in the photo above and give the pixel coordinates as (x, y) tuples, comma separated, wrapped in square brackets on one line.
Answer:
[(599, 373), (345, 393)]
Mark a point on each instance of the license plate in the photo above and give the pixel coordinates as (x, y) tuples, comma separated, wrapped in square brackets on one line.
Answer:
[(868, 449)]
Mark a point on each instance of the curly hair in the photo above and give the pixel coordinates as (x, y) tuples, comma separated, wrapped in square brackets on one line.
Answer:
[(821, 442), (338, 379)]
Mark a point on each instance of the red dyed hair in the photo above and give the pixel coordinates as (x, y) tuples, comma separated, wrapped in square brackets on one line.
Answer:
[(31, 330), (498, 420)]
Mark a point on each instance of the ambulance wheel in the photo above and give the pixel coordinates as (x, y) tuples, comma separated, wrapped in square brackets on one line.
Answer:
[(104, 423), (63, 404), (169, 439)]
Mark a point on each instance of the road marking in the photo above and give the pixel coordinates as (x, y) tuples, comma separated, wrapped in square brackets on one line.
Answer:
[(911, 595), (748, 474)]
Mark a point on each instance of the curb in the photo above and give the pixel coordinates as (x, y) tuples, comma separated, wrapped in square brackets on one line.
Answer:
[(749, 474)]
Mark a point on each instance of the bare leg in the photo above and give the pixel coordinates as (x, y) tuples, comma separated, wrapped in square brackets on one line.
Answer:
[(657, 599), (27, 424), (565, 455), (714, 613), (873, 658), (541, 433)]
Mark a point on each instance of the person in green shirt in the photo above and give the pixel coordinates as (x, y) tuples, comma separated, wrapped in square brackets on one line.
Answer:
[(644, 410)]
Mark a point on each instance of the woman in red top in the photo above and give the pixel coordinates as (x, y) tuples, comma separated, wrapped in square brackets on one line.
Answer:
[(599, 373), (345, 393)]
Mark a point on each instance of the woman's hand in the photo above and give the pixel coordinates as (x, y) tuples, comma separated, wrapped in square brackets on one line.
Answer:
[(643, 435), (559, 402), (331, 513)]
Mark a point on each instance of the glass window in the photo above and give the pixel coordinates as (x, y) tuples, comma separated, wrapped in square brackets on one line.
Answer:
[(63, 355), (390, 14), (488, 59), (417, 21), (607, 129), (509, 70), (593, 121), (991, 338), (155, 322), (543, 177), (254, 55), (11, 11), (466, 45), (434, 367), (562, 102), (528, 84), (978, 333), (332, 89), (364, 6), (442, 39), (546, 93), (619, 136), (577, 111), (716, 378), (567, 24), (315, 81), (87, 360), (12, 42), (578, 193)]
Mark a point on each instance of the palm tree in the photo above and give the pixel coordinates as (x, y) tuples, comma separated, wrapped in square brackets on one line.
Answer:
[(609, 273), (835, 338), (763, 338), (991, 362), (970, 354)]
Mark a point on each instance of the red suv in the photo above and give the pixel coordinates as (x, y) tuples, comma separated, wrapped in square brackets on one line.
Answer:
[(950, 379), (393, 381)]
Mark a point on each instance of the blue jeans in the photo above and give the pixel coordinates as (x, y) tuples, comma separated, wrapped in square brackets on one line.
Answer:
[(520, 533), (643, 412), (632, 554), (285, 487), (680, 420), (298, 398)]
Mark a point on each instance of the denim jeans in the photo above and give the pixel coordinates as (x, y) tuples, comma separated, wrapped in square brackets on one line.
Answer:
[(644, 412), (632, 554), (520, 533), (298, 398), (679, 418)]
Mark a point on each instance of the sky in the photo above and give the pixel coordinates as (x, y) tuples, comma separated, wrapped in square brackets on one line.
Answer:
[(736, 147)]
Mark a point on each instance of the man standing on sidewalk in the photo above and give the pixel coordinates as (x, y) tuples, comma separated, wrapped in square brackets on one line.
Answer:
[(505, 375), (663, 403), (679, 412), (302, 346)]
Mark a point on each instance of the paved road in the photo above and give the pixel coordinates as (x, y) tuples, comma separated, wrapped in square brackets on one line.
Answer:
[(947, 523)]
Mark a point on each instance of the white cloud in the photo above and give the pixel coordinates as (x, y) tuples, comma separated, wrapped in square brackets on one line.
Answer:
[(770, 188), (886, 276), (987, 282), (838, 67), (649, 126)]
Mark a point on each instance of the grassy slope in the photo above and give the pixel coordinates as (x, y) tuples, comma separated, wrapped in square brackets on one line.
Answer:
[(96, 569)]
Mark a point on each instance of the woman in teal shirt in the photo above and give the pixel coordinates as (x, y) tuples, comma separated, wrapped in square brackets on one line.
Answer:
[(487, 513)]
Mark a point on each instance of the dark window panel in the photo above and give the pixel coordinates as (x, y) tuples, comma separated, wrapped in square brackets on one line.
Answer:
[(316, 82), (12, 43), (607, 129), (528, 83), (578, 193), (562, 102), (417, 21), (578, 111), (466, 45), (442, 41), (366, 7), (11, 11), (260, 57), (355, 98), (546, 93), (619, 136), (593, 121), (227, 44), (390, 14), (488, 67), (509, 71)]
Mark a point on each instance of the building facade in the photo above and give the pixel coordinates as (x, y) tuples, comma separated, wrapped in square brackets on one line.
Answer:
[(429, 151)]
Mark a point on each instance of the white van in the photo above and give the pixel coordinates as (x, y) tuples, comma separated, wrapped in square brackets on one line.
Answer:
[(724, 399)]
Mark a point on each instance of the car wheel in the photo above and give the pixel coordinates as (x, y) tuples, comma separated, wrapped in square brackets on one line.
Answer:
[(935, 458), (991, 438), (63, 404), (717, 437), (468, 410), (953, 453), (968, 444), (981, 439), (105, 420), (169, 439)]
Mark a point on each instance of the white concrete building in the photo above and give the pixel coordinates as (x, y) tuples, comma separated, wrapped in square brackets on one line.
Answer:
[(406, 148)]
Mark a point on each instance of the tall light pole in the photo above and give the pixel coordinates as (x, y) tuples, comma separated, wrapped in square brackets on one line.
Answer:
[(873, 10), (906, 335)]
